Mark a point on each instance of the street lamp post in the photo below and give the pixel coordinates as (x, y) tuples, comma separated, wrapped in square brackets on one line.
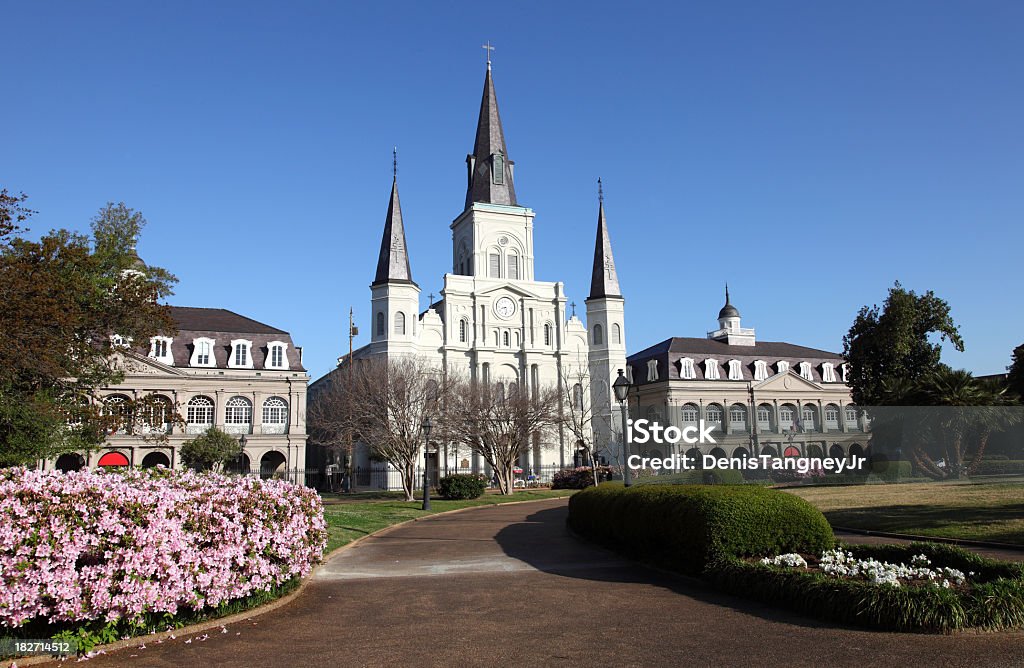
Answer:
[(427, 426), (621, 389)]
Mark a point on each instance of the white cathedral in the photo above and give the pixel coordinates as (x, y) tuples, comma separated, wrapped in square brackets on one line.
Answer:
[(494, 320)]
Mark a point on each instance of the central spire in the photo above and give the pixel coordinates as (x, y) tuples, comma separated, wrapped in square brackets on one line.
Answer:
[(490, 170)]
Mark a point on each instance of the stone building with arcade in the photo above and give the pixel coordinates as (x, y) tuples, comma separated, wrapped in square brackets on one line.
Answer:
[(220, 369), (762, 397)]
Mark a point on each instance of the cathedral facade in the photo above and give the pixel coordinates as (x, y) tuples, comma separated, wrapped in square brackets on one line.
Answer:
[(495, 321)]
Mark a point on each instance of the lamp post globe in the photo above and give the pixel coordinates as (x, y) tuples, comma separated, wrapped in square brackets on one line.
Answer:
[(427, 426), (621, 389)]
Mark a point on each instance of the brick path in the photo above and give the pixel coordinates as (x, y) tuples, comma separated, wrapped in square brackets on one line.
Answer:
[(507, 585)]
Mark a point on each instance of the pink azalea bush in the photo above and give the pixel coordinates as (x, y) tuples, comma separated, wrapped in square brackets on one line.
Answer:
[(116, 545)]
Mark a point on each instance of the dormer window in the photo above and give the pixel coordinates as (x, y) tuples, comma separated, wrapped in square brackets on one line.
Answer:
[(846, 373), (686, 369), (202, 352), (160, 349), (760, 370), (805, 370), (277, 357), (241, 354), (735, 370), (782, 366), (652, 370), (498, 169), (828, 372), (711, 369), (118, 341)]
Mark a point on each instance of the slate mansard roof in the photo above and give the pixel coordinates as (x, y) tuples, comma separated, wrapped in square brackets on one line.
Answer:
[(670, 351), (223, 326)]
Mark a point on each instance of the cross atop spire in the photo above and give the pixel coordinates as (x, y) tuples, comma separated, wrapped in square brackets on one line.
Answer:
[(490, 170), (604, 281), (488, 48)]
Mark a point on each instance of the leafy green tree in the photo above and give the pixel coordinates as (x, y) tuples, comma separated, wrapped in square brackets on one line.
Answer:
[(64, 297), (12, 212), (211, 451), (1015, 379), (892, 343)]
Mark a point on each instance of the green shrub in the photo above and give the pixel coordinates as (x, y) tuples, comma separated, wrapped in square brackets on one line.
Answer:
[(995, 601), (688, 527), (696, 477), (997, 467), (580, 477), (462, 486)]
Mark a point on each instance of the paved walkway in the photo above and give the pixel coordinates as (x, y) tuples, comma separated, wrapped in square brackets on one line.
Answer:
[(506, 585)]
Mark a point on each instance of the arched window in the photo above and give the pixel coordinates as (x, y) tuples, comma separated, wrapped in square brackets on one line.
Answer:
[(238, 411), (851, 416), (808, 418), (512, 260), (616, 334), (463, 330), (690, 414), (787, 416), (832, 415), (764, 416), (381, 325), (498, 168), (155, 412), (505, 339), (598, 335), (738, 415), (494, 264), (400, 323), (199, 413), (714, 413), (275, 411), (118, 409), (547, 334)]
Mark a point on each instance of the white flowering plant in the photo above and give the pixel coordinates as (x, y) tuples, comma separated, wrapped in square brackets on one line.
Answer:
[(843, 564)]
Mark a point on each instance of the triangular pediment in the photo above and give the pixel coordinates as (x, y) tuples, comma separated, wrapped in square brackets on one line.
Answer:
[(790, 381), (510, 287), (133, 364)]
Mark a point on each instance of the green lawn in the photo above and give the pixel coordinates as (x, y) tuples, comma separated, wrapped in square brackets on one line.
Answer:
[(349, 518), (992, 511)]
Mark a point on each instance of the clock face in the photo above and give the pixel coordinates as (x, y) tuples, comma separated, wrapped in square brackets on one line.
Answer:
[(505, 308)]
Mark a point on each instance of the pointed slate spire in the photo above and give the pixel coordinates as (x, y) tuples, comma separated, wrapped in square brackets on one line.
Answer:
[(490, 171), (604, 281), (393, 261)]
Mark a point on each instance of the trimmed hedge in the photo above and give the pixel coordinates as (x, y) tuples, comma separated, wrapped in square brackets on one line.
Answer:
[(994, 601), (462, 486), (696, 477), (688, 528), (997, 467)]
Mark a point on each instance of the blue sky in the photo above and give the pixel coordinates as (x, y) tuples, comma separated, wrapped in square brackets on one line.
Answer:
[(808, 153)]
